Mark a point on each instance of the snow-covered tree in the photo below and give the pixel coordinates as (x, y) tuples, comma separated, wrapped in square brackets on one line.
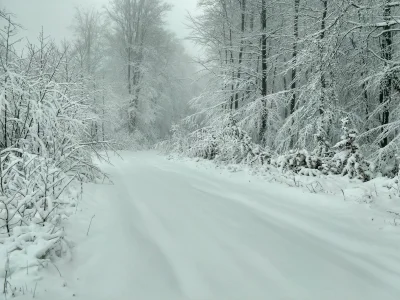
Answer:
[(348, 159), (290, 86)]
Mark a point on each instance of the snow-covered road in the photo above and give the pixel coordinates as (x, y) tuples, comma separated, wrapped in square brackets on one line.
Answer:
[(171, 230)]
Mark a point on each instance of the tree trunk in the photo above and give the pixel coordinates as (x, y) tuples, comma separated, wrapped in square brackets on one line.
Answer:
[(243, 25), (129, 70), (104, 114), (263, 68), (294, 55), (321, 47), (223, 3), (386, 84)]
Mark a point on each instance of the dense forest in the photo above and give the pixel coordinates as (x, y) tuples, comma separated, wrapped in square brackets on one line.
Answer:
[(315, 82)]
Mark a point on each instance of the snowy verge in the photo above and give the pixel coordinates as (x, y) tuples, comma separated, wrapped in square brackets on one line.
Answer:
[(35, 248), (36, 251), (381, 195), (42, 258)]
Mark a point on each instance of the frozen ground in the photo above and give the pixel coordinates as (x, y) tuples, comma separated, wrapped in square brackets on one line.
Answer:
[(180, 230)]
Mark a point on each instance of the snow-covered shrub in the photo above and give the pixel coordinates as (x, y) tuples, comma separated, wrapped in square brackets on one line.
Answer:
[(299, 161), (323, 152), (178, 138), (348, 159), (229, 144), (203, 143), (387, 163), (394, 183), (178, 142), (323, 147), (45, 147), (226, 142), (235, 145), (305, 163)]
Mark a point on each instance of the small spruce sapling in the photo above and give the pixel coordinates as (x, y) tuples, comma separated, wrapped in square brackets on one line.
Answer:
[(348, 159), (322, 153)]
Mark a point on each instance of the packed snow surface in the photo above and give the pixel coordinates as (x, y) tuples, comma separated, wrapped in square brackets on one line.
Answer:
[(182, 230)]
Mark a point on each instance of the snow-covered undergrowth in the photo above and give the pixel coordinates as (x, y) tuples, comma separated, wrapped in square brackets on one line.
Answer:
[(37, 195), (46, 151), (340, 170)]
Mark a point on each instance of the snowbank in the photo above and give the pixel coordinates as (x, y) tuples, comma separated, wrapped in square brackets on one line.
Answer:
[(381, 194)]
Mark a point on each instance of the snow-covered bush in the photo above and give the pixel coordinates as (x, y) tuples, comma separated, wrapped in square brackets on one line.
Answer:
[(203, 143), (226, 143), (323, 147), (178, 138), (348, 159), (236, 146), (305, 163), (178, 141), (323, 152), (229, 143), (45, 147), (299, 161)]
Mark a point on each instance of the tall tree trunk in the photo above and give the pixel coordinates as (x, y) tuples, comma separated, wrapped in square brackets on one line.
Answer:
[(129, 69), (364, 85), (294, 68), (89, 51), (386, 84), (243, 25), (139, 41), (226, 60), (225, 9), (294, 55), (321, 49), (104, 114), (5, 80), (264, 114)]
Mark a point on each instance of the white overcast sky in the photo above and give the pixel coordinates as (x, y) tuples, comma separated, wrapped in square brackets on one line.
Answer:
[(56, 16)]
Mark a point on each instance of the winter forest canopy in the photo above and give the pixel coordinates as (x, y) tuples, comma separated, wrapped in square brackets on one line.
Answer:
[(312, 83)]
